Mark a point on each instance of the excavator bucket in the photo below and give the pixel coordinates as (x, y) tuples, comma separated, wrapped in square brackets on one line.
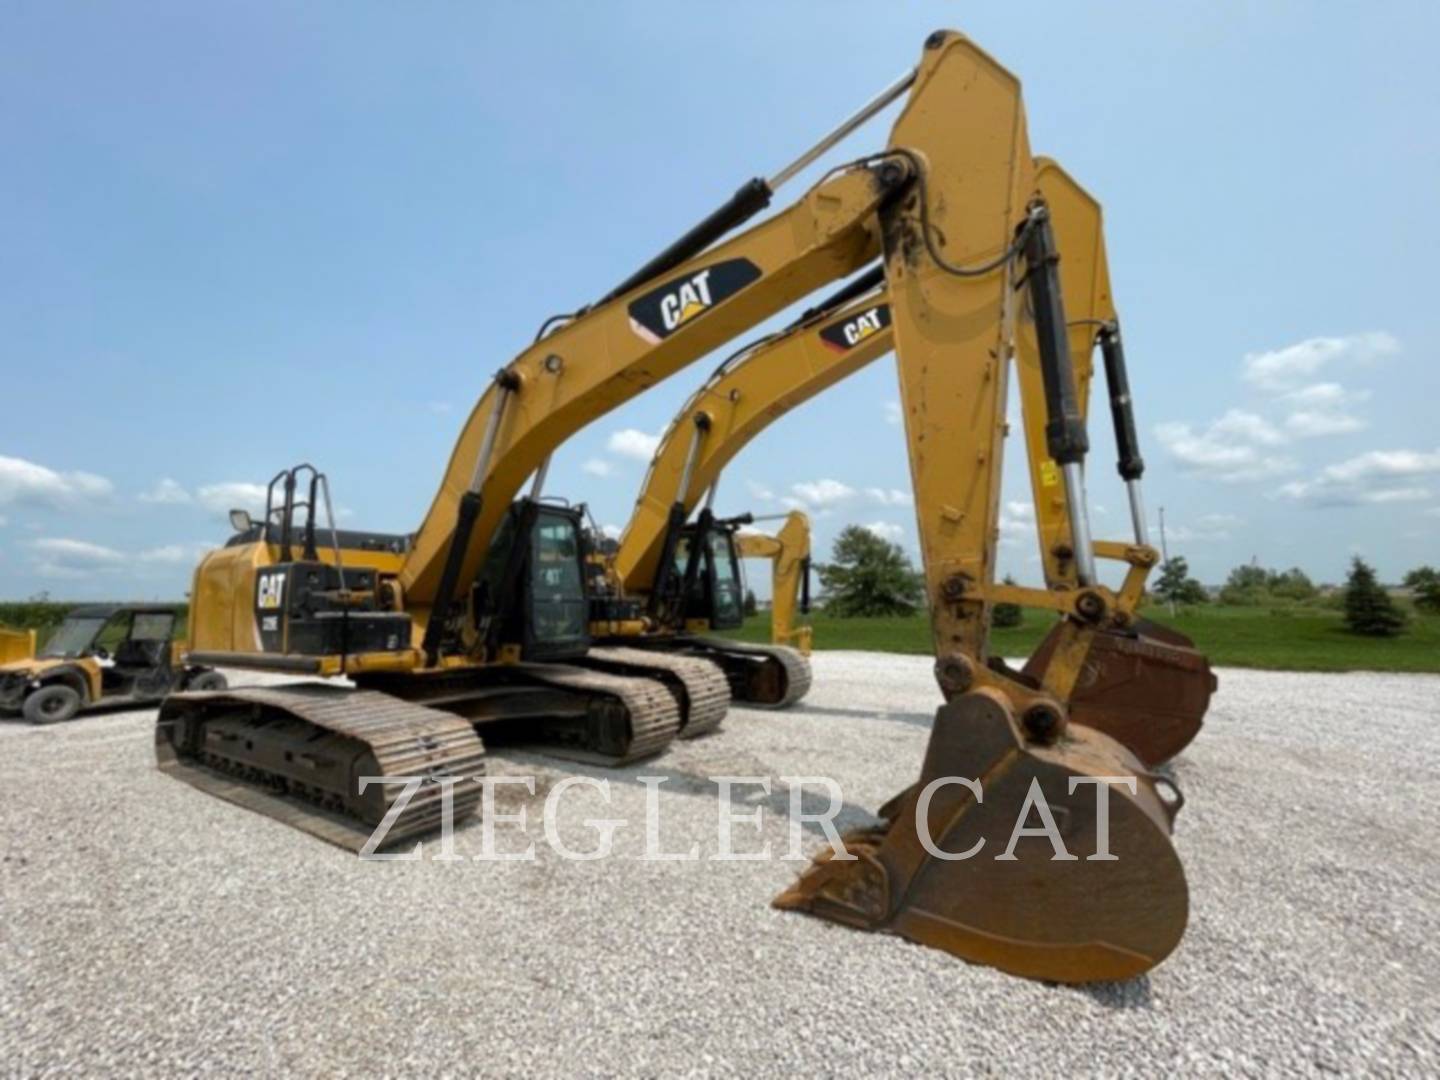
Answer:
[(1147, 687), (971, 869)]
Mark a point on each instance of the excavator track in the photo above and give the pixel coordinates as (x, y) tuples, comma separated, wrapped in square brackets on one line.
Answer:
[(761, 676), (701, 688), (653, 714), (298, 753), (559, 709)]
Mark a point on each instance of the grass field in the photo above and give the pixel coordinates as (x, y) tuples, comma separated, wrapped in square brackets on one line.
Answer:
[(1278, 639), (1297, 639)]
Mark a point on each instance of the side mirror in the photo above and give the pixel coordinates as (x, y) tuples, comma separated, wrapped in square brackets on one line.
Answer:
[(240, 521)]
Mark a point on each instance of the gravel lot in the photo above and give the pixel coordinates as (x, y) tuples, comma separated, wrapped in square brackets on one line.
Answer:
[(147, 927)]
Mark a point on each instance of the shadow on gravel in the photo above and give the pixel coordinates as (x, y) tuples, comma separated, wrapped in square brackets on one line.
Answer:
[(924, 720), (743, 796), (1120, 996)]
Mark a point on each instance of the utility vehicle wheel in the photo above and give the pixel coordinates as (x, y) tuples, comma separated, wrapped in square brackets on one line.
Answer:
[(52, 704), (207, 680)]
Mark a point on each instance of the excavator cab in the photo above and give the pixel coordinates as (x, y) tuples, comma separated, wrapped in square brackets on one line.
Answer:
[(708, 565), (533, 594)]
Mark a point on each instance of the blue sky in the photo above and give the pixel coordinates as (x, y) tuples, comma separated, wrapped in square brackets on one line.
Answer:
[(236, 236)]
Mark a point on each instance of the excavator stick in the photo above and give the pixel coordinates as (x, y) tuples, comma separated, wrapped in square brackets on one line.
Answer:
[(1148, 687), (1030, 843), (962, 861)]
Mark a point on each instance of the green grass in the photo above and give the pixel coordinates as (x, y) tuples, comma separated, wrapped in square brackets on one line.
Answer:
[(1295, 639)]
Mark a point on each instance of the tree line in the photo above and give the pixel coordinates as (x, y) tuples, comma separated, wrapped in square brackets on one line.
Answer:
[(869, 576)]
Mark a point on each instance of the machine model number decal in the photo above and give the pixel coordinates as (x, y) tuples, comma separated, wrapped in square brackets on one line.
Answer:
[(844, 336), (270, 591), (662, 311)]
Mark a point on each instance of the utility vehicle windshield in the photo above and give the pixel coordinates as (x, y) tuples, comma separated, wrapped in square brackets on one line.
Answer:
[(73, 638)]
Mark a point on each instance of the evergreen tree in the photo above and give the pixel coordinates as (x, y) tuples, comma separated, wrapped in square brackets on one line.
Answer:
[(1368, 607), (751, 605), (869, 576)]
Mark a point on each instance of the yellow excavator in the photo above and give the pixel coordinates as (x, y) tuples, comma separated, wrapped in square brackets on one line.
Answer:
[(1141, 683), (788, 551), (475, 618)]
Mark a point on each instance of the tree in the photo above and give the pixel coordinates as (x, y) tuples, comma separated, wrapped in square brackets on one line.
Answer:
[(751, 606), (1293, 584), (1368, 607), (869, 576), (1005, 615), (1416, 579), (1427, 595), (1245, 585), (1176, 584)]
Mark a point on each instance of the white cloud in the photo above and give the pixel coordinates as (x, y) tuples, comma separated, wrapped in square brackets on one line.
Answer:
[(1247, 426), (24, 481), (1376, 464), (1206, 527), (889, 496), (597, 467), (439, 408), (61, 557), (885, 530), (612, 531), (1229, 449), (78, 551), (1017, 524), (166, 492), (232, 495), (633, 443), (1308, 424), (1324, 395), (175, 554), (893, 413), (759, 491), (1376, 476), (822, 493), (1278, 370)]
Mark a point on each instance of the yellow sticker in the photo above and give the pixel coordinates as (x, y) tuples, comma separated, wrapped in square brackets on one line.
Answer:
[(1049, 474)]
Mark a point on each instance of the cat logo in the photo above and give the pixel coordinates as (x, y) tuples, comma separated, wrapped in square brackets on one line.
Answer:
[(270, 591), (689, 300), (662, 311), (844, 336)]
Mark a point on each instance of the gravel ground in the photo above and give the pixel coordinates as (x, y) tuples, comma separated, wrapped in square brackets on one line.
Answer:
[(146, 927)]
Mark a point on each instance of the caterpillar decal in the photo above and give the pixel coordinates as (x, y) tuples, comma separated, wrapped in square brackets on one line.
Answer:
[(662, 311), (844, 336)]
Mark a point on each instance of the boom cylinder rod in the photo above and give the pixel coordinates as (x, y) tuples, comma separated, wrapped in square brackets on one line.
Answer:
[(467, 513), (845, 127), (1065, 436), (1137, 512), (702, 426), (752, 196), (537, 485)]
